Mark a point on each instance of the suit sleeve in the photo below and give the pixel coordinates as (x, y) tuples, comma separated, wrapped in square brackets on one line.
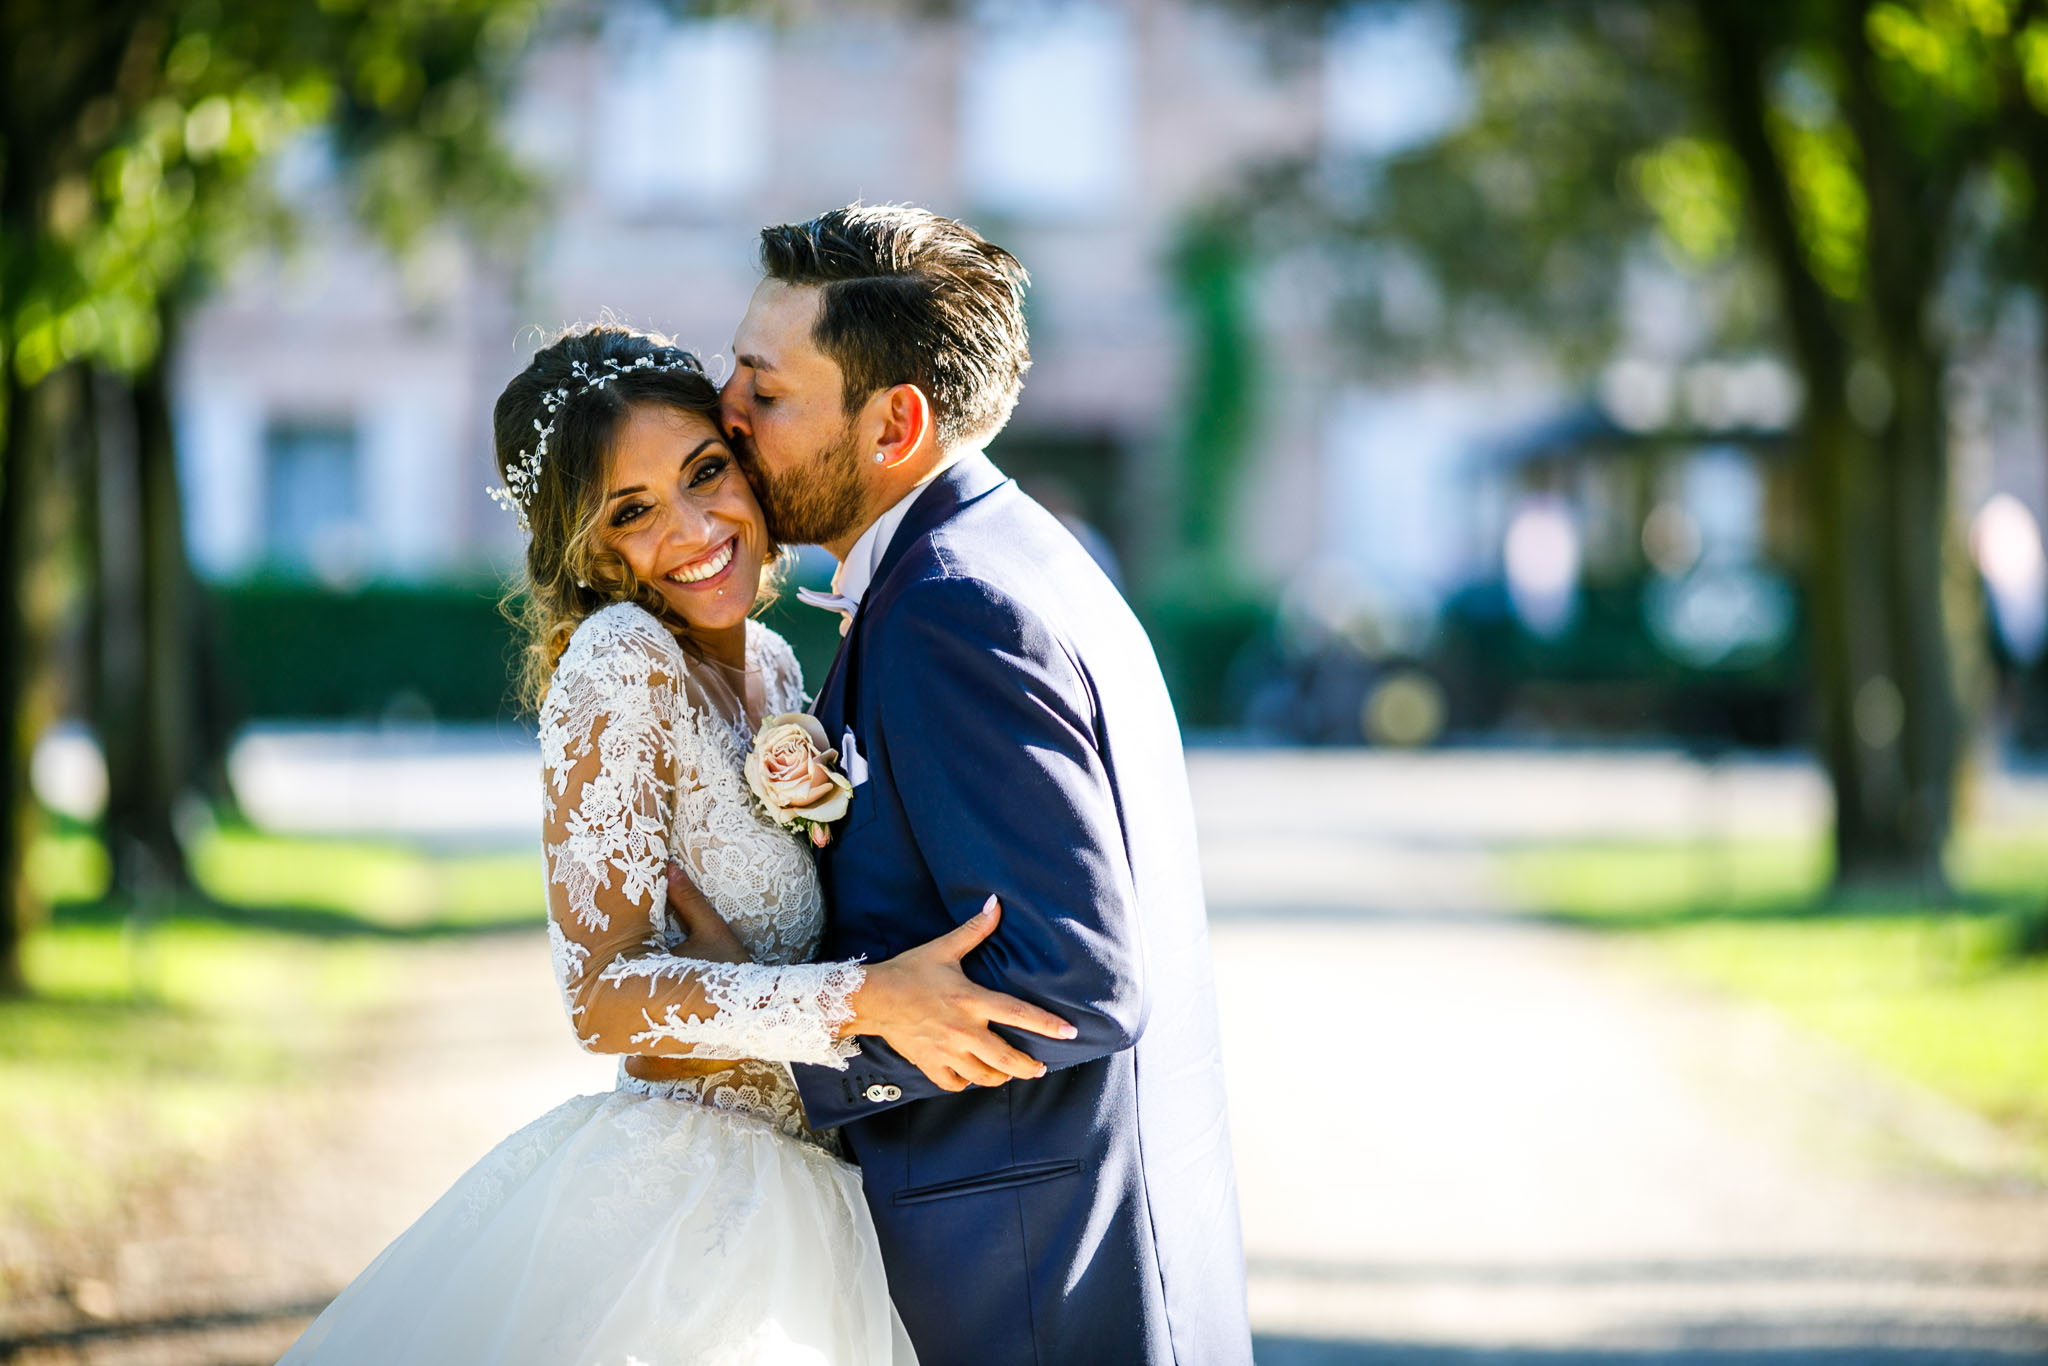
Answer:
[(991, 734)]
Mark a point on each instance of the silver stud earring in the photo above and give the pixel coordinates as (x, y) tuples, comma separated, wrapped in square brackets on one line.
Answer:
[(879, 457)]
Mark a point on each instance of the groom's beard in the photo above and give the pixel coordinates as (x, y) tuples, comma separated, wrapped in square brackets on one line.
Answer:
[(821, 500)]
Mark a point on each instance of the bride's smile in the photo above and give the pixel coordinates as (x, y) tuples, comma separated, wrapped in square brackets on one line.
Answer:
[(705, 570), (681, 514)]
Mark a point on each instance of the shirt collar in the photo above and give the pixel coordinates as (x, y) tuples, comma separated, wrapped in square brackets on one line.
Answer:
[(856, 573)]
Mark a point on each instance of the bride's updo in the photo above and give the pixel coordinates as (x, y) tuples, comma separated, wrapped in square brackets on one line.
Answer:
[(570, 572)]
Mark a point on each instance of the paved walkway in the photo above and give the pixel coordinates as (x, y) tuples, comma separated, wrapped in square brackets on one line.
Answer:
[(224, 1266), (1464, 1137), (1461, 1137)]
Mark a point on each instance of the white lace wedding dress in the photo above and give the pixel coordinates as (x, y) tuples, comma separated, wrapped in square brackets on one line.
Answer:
[(691, 1221)]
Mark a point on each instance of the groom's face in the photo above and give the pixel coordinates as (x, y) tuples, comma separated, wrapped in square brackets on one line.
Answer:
[(784, 412)]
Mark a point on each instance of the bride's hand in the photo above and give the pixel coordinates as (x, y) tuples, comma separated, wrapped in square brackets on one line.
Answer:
[(925, 1007), (709, 937)]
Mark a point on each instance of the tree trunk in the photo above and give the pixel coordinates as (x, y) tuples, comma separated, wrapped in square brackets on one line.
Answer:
[(116, 633), (18, 495), (33, 420), (168, 653), (143, 712), (1911, 195), (1846, 489), (1919, 540)]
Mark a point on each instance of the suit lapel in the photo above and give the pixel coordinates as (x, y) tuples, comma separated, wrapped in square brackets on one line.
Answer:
[(967, 480), (827, 706)]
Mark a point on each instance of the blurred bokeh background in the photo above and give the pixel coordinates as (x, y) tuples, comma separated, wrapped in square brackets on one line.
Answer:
[(1582, 464)]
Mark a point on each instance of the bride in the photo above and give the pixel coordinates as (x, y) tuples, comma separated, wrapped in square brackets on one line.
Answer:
[(690, 1214)]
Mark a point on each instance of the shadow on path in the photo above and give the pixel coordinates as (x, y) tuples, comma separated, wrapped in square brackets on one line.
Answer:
[(161, 1326), (1976, 1348), (1673, 1271)]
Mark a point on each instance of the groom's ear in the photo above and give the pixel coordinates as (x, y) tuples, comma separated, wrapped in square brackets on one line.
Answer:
[(904, 415)]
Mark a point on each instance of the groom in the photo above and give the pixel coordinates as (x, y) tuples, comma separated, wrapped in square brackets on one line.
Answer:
[(1003, 718)]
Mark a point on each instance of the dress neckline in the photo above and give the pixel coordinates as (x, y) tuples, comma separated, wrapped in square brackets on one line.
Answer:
[(735, 683)]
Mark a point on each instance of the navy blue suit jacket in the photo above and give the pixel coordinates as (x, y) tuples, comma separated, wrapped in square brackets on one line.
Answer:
[(1019, 740)]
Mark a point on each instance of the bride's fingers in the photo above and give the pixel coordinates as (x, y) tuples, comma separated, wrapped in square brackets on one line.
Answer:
[(1009, 1010), (991, 1051), (945, 1077), (980, 1073), (957, 943)]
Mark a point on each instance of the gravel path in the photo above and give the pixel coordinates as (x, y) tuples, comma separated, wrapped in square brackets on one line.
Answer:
[(1461, 1137), (224, 1266), (1465, 1137)]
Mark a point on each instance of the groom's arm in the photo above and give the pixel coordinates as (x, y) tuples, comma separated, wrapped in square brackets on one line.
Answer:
[(991, 734)]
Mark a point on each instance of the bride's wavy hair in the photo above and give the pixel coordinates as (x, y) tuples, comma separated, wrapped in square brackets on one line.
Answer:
[(570, 572)]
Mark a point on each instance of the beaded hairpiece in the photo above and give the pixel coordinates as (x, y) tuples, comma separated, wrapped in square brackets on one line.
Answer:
[(516, 494)]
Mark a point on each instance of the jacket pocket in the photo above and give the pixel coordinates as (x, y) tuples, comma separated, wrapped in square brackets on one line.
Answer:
[(1003, 1178), (859, 811)]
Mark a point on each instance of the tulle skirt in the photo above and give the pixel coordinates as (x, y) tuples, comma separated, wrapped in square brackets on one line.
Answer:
[(626, 1229)]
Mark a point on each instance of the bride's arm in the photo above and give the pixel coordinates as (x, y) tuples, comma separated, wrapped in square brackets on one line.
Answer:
[(607, 737), (919, 1002)]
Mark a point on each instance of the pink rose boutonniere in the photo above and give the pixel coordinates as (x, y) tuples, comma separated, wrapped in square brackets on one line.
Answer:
[(794, 773)]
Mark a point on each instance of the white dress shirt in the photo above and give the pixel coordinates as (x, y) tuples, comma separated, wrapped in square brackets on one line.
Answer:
[(856, 573)]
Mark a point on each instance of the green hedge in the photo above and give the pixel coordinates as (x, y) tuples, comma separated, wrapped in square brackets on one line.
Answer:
[(300, 651), (297, 651), (1197, 642)]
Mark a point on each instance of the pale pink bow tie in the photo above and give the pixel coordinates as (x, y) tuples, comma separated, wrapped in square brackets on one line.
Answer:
[(831, 602)]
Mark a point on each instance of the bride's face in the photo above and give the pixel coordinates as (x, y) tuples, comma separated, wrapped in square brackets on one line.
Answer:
[(682, 515)]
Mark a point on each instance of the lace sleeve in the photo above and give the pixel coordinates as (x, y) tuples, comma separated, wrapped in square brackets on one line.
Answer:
[(612, 769)]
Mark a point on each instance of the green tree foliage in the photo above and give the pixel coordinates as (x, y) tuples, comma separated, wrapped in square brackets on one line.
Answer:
[(135, 144), (1857, 183)]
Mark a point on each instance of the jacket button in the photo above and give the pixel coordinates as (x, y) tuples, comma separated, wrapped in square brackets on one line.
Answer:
[(892, 1093), (879, 1093)]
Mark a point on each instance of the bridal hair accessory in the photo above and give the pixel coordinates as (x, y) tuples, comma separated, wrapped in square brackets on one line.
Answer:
[(516, 494), (794, 774)]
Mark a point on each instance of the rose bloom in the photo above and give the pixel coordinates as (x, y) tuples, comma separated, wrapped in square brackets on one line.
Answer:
[(790, 770)]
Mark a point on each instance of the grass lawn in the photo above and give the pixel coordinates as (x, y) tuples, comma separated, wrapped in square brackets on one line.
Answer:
[(153, 1041), (321, 886), (1943, 995)]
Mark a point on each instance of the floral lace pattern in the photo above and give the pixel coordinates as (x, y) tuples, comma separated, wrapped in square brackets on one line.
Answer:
[(643, 765), (760, 1090)]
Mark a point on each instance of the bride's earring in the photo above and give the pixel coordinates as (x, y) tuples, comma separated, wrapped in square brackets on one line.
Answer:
[(879, 457)]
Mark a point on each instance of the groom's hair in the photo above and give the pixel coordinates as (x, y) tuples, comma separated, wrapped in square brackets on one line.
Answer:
[(913, 298)]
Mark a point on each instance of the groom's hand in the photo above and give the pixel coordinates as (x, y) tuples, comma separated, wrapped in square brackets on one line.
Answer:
[(708, 937), (925, 1007)]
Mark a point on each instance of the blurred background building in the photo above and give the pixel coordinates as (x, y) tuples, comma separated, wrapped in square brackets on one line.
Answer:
[(333, 402), (1506, 546)]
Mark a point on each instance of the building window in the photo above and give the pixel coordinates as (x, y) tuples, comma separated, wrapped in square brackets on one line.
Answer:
[(313, 500), (681, 114), (1046, 109)]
